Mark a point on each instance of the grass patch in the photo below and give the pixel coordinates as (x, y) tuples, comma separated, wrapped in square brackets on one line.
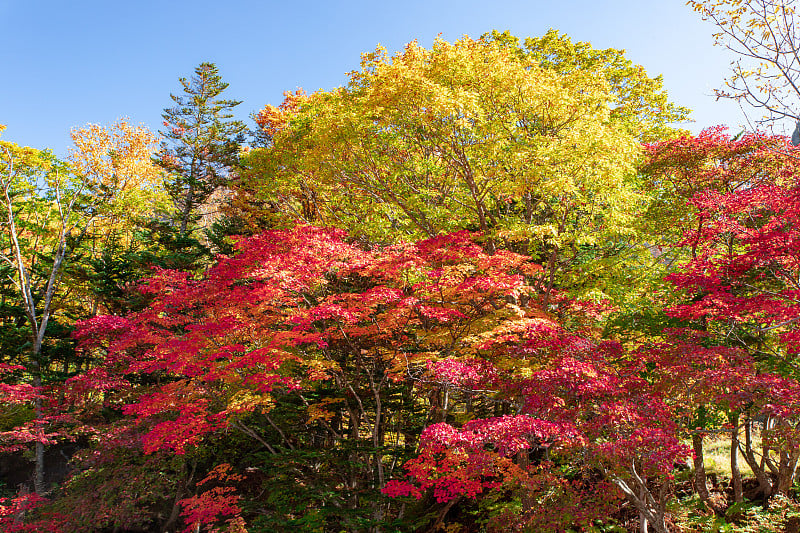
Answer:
[(717, 457)]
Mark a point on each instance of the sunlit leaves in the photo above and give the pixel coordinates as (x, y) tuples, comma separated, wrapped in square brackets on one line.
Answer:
[(115, 162), (464, 135)]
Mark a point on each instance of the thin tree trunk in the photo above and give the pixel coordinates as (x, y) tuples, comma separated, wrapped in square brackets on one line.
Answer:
[(700, 483), (187, 209), (764, 483), (736, 474), (38, 474), (528, 208), (179, 494), (524, 462), (479, 207), (551, 276)]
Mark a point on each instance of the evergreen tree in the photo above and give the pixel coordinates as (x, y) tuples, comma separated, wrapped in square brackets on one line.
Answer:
[(203, 141)]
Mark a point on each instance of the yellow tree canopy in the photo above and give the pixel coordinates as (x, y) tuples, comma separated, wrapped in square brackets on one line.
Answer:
[(473, 134), (114, 164)]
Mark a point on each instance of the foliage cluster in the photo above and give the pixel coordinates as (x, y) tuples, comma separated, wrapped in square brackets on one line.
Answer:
[(482, 287)]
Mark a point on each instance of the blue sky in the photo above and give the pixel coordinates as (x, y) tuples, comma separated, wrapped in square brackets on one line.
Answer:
[(65, 64)]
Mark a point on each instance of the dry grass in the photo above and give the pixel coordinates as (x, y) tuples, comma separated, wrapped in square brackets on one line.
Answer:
[(717, 457)]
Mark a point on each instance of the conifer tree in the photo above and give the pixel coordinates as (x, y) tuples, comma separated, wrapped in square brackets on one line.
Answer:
[(202, 141)]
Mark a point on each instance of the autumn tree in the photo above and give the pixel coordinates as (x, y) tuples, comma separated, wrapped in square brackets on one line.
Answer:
[(202, 142), (537, 154), (436, 140), (731, 200), (326, 360), (674, 171), (50, 210), (117, 160), (764, 36), (736, 277)]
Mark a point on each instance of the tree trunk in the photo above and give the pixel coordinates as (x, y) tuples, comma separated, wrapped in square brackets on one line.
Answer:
[(764, 483), (644, 523), (736, 474), (187, 209), (38, 475), (528, 208), (524, 462), (551, 276), (180, 492), (699, 480), (786, 471), (650, 511)]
